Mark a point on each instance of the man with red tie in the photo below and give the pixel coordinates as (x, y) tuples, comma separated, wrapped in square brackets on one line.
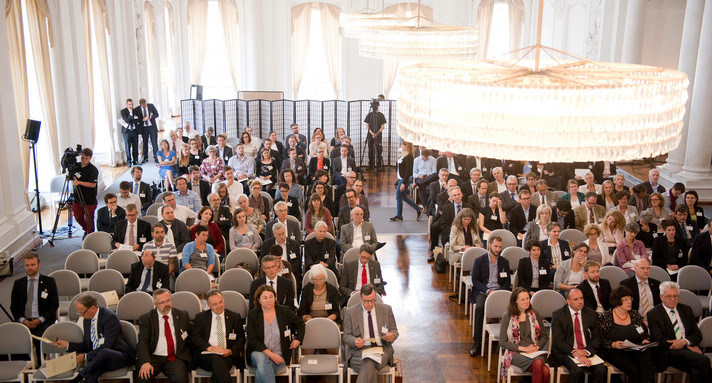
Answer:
[(163, 341), (361, 272)]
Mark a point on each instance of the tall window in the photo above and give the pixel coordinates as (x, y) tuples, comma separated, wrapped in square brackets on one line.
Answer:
[(499, 34), (315, 82), (168, 69), (216, 72), (103, 139)]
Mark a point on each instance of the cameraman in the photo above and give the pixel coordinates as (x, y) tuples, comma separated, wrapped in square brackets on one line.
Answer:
[(375, 123), (84, 180)]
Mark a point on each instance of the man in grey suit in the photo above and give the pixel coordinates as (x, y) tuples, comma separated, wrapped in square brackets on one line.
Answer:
[(293, 231), (357, 232), (362, 331), (361, 272), (544, 195)]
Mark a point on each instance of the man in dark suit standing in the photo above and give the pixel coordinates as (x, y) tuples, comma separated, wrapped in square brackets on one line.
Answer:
[(104, 347), (149, 129), (520, 216), (596, 291), (490, 272), (34, 300), (646, 290), (130, 130), (108, 216), (218, 331), (673, 326), (147, 275), (163, 341), (140, 188), (575, 337), (271, 266), (131, 231)]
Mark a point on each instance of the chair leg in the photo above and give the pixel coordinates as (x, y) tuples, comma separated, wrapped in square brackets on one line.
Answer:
[(489, 353)]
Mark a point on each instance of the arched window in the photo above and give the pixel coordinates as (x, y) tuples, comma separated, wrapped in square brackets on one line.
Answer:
[(500, 25)]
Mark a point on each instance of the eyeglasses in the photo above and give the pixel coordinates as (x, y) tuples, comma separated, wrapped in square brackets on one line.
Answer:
[(671, 296)]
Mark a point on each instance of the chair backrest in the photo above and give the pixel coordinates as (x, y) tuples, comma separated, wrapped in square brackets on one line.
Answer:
[(134, 304), (16, 339), (82, 262), (694, 278), (185, 300), (613, 274), (99, 242), (130, 333), (68, 283), (121, 261), (235, 280), (689, 298), (573, 236), (291, 218), (350, 255), (330, 278), (154, 209), (559, 193), (69, 331), (706, 330), (107, 280), (270, 202), (508, 239), (152, 219), (355, 299), (236, 302), (545, 302), (496, 304), (242, 255), (159, 198), (513, 254), (313, 234), (468, 258), (196, 281), (321, 333), (72, 309), (658, 273)]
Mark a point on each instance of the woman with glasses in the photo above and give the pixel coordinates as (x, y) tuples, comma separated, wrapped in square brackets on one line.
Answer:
[(597, 248), (660, 213)]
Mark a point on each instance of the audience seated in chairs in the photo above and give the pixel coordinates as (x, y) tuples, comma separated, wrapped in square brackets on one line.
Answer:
[(215, 238), (319, 298), (320, 250), (294, 208), (533, 272), (272, 268), (244, 234)]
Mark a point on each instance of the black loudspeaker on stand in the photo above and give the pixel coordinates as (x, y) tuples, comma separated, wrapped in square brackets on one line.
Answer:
[(32, 134)]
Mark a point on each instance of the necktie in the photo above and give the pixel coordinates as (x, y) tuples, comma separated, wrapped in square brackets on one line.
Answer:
[(577, 332), (639, 204), (644, 302), (30, 299), (271, 284), (676, 325), (457, 209), (147, 281), (543, 200), (442, 188), (169, 339), (364, 276), (131, 235), (371, 333), (136, 188), (591, 218), (598, 294), (482, 201), (673, 202), (94, 335), (145, 113), (221, 333), (685, 233), (513, 199)]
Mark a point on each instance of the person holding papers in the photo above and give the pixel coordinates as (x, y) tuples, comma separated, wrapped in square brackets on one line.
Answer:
[(575, 340), (132, 233), (621, 329), (218, 339), (522, 335), (369, 340)]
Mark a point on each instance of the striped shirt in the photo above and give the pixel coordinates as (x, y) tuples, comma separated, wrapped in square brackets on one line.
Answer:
[(163, 252)]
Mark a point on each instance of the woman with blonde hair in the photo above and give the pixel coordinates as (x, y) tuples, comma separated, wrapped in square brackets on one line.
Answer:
[(597, 247), (607, 198), (612, 228), (538, 229)]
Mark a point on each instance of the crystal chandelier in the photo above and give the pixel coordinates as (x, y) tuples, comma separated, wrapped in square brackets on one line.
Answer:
[(353, 24), (562, 110)]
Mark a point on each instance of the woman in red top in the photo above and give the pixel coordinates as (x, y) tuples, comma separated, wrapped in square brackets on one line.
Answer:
[(215, 238)]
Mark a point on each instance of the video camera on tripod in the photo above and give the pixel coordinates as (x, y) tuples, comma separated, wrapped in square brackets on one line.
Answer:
[(374, 103), (69, 160), (70, 194)]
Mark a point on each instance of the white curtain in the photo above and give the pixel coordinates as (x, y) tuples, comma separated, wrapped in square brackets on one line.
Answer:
[(516, 22), (198, 22), (154, 79), (101, 27), (411, 10), (18, 71), (331, 33), (228, 12), (301, 22), (390, 72), (86, 31), (41, 40), (484, 23)]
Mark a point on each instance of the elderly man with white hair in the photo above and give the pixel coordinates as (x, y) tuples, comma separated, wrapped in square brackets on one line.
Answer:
[(320, 249), (357, 232), (291, 251), (320, 299), (293, 231)]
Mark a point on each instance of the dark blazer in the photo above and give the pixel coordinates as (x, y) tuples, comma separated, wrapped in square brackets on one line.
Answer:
[(352, 270), (159, 276), (701, 254), (518, 222), (143, 229), (294, 210), (212, 141), (441, 162), (301, 168), (46, 307), (109, 328), (286, 320), (480, 275), (313, 163), (227, 153), (474, 201), (562, 327), (293, 231), (507, 202), (151, 109), (661, 329), (205, 190), (200, 335), (649, 187), (447, 218), (589, 300), (332, 296), (597, 168), (181, 235), (223, 218), (405, 167), (106, 223), (632, 284), (336, 165), (293, 248), (148, 330), (525, 274), (285, 291), (132, 120), (467, 189), (563, 245), (301, 154), (315, 252), (434, 189), (660, 252)]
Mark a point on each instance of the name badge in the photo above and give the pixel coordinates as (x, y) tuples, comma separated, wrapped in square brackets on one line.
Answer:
[(566, 253), (223, 218), (366, 237), (292, 256), (326, 255), (699, 214), (289, 204), (249, 233), (689, 228), (493, 217), (269, 167), (44, 294), (542, 272), (327, 306), (287, 333), (285, 271), (639, 329), (484, 169), (384, 330), (232, 336), (292, 237), (679, 255), (142, 239), (400, 160), (590, 166), (376, 280), (101, 341), (203, 255), (159, 284), (299, 168), (326, 167), (142, 195), (183, 335), (78, 175), (197, 157), (503, 274)]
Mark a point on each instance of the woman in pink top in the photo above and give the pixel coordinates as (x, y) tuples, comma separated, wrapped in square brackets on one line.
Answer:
[(630, 249)]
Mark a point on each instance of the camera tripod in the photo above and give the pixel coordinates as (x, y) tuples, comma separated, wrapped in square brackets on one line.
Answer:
[(66, 199)]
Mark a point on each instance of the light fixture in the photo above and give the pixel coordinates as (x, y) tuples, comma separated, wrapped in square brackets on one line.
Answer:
[(565, 110), (352, 23)]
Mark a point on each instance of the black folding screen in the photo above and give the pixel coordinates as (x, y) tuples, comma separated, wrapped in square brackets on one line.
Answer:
[(231, 117)]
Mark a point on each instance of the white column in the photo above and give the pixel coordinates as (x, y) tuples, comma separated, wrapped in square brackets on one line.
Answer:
[(688, 64), (699, 150), (633, 33)]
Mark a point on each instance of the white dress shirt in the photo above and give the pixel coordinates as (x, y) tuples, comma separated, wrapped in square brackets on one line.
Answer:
[(161, 345), (213, 339)]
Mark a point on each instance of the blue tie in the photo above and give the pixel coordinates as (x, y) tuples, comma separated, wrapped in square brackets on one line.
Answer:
[(147, 281), (136, 188)]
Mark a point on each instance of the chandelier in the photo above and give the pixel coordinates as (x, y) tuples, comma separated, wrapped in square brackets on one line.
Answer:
[(560, 110), (353, 23)]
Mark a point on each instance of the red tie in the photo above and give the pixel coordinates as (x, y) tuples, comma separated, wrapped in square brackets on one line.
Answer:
[(364, 277), (169, 340), (577, 332)]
